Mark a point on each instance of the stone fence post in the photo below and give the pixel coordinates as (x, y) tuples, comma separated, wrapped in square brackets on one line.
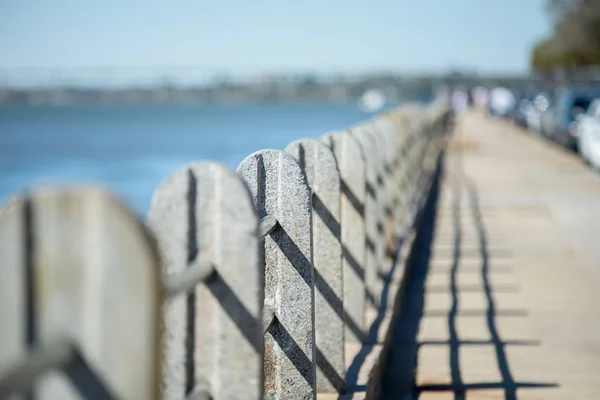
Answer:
[(80, 294), (390, 151), (280, 190), (204, 219), (351, 166), (318, 163), (371, 211)]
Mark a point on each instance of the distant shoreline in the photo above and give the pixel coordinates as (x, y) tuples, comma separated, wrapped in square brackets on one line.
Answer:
[(196, 97), (396, 89), (175, 103)]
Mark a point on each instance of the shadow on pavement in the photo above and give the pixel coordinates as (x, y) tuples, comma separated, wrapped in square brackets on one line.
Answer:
[(399, 377)]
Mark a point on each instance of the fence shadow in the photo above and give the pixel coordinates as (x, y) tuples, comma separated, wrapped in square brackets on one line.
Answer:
[(399, 377)]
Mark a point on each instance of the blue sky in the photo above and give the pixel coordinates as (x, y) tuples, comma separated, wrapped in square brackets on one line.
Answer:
[(190, 39)]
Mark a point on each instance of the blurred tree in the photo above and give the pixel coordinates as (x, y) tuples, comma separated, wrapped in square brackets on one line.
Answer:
[(558, 8), (575, 41)]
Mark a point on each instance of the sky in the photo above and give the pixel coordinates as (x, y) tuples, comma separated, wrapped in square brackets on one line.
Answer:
[(114, 40)]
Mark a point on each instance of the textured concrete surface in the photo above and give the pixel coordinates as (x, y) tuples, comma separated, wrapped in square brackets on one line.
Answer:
[(388, 143), (372, 210), (365, 362), (204, 212), (318, 162), (279, 188), (351, 165), (502, 300), (77, 270), (361, 359)]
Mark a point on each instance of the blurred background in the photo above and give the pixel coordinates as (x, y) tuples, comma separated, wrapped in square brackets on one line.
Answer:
[(124, 92)]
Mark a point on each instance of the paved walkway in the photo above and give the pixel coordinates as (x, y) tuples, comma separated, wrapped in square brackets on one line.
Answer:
[(503, 300)]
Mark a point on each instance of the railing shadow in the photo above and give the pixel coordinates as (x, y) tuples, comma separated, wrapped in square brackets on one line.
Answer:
[(352, 374), (507, 384), (456, 376), (399, 376)]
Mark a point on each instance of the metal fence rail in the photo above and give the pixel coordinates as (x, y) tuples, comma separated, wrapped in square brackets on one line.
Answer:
[(244, 284)]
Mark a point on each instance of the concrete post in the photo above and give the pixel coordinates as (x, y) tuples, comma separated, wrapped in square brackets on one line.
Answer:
[(351, 165), (279, 188), (373, 199), (203, 213), (319, 165), (80, 280)]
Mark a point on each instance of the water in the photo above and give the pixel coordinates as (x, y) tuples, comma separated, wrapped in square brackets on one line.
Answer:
[(130, 150)]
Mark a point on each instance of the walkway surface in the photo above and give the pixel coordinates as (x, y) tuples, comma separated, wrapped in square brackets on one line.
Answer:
[(503, 300)]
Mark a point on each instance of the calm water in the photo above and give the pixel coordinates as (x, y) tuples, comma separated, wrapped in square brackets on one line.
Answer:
[(132, 149)]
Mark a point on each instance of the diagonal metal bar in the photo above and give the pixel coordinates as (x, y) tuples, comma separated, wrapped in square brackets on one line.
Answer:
[(266, 226), (268, 317), (63, 355), (187, 280), (200, 394)]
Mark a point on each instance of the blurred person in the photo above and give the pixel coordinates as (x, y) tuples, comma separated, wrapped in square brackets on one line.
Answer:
[(460, 100), (480, 97)]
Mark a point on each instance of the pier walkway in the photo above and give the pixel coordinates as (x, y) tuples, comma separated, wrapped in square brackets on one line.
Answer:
[(503, 295)]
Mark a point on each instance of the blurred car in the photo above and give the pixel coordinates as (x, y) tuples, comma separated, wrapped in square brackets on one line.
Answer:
[(588, 134), (570, 103), (522, 106), (540, 104)]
